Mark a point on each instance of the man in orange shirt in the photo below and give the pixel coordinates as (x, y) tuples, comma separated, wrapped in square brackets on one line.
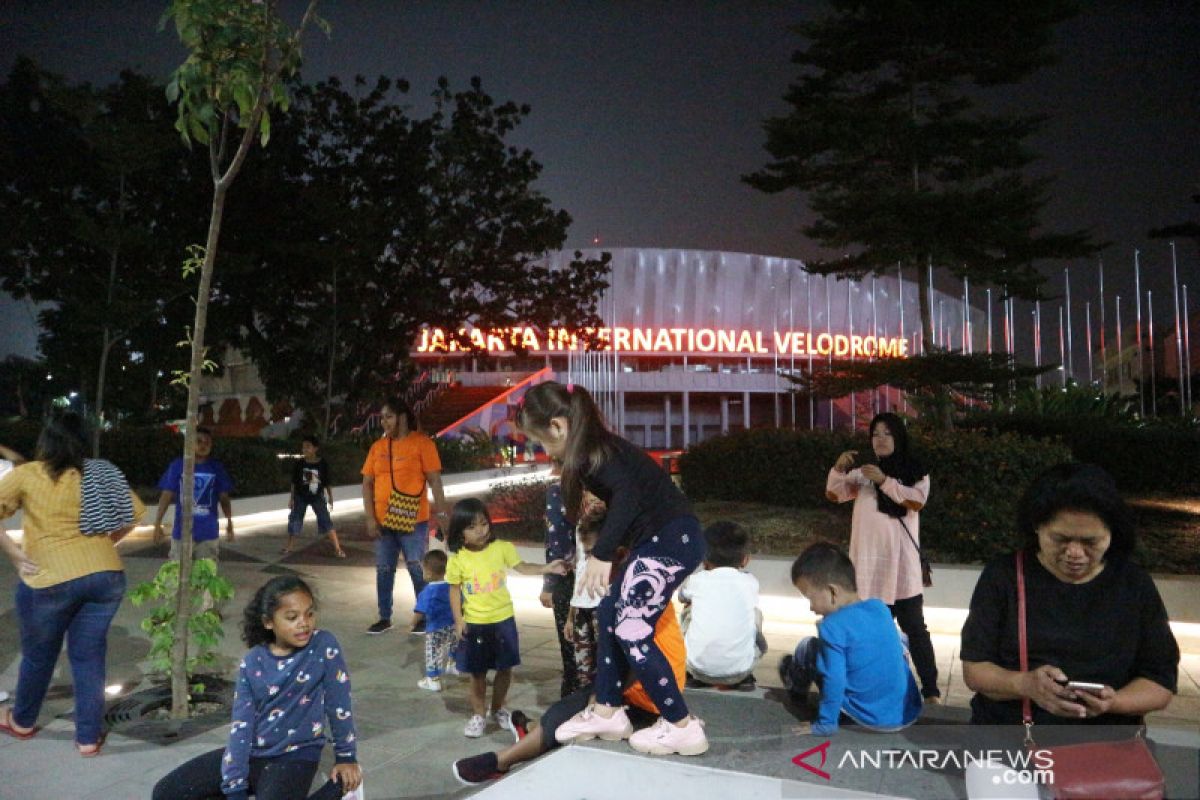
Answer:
[(399, 468)]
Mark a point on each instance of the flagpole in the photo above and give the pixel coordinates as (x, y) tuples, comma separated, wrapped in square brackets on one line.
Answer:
[(829, 330), (1120, 377), (1153, 368), (1187, 349), (1062, 348), (1137, 290), (989, 320), (1070, 342), (1178, 332), (1037, 339), (1103, 351), (812, 401), (850, 323), (1087, 311)]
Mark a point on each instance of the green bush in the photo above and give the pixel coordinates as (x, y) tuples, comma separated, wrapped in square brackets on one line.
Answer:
[(1151, 459), (976, 479), (472, 451)]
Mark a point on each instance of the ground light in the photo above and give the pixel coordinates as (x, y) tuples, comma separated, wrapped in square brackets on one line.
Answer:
[(786, 615)]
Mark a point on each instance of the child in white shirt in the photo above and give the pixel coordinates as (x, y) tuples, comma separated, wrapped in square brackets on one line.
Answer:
[(722, 625)]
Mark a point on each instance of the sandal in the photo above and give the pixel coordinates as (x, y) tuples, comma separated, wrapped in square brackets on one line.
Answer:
[(339, 553), (7, 726), (94, 752)]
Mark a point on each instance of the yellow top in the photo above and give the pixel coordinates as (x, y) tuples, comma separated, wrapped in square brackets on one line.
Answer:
[(51, 525), (483, 577)]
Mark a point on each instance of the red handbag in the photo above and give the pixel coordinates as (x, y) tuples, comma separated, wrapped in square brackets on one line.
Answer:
[(1122, 770)]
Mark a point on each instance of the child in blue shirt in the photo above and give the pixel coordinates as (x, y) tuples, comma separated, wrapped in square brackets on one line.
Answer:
[(433, 609), (293, 694), (857, 661), (212, 485)]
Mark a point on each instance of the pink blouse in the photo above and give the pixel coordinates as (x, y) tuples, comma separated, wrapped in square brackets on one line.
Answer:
[(886, 564)]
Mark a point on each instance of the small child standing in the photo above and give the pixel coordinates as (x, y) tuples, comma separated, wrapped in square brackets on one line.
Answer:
[(857, 661), (722, 624), (311, 487), (580, 628), (433, 609), (483, 610)]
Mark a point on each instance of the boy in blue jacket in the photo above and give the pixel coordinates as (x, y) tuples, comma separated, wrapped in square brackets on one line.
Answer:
[(857, 659)]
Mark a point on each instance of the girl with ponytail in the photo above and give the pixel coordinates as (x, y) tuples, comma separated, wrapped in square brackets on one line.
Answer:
[(648, 515)]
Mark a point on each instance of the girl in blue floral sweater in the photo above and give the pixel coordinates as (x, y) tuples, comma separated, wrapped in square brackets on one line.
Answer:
[(293, 694)]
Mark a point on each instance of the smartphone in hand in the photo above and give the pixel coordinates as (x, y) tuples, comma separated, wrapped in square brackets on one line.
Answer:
[(1084, 686)]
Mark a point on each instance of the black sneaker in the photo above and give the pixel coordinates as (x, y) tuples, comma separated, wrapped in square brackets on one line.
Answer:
[(419, 629), (478, 769), (382, 626), (785, 672), (519, 724)]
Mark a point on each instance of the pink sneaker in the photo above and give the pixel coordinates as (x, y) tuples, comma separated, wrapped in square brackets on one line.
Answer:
[(662, 738), (587, 724)]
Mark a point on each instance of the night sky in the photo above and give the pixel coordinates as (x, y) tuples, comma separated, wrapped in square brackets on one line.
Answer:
[(645, 115)]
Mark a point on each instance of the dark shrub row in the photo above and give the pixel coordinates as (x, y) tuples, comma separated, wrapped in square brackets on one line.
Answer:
[(1147, 460), (976, 479)]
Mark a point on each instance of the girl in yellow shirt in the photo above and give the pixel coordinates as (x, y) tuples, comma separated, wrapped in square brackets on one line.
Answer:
[(483, 609)]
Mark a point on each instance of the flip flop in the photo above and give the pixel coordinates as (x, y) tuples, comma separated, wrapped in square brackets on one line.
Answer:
[(7, 727), (91, 753)]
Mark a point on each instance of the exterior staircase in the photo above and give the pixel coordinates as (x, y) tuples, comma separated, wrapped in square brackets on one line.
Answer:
[(455, 402)]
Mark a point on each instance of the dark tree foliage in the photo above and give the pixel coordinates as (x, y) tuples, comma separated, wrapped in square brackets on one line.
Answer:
[(98, 202), (977, 376), (889, 139), (386, 222)]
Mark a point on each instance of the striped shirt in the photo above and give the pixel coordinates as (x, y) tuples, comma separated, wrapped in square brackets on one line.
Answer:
[(52, 538)]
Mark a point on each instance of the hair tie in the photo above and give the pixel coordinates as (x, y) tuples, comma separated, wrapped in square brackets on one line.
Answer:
[(570, 388)]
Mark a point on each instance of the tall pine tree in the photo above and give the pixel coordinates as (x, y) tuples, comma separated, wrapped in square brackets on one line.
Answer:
[(897, 152)]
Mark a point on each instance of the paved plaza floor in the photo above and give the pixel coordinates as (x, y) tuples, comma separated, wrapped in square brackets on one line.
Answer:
[(409, 737)]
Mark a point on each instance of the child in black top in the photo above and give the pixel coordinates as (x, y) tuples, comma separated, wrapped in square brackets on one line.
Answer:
[(648, 514), (311, 487)]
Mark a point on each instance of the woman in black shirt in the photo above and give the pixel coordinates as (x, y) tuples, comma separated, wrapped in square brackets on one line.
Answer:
[(1092, 615)]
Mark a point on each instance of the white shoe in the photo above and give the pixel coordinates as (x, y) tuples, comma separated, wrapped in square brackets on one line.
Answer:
[(475, 727), (662, 738), (503, 718), (430, 684), (451, 669), (587, 724)]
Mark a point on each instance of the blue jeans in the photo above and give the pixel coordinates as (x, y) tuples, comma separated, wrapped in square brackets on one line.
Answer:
[(628, 614), (300, 506), (81, 609), (388, 548)]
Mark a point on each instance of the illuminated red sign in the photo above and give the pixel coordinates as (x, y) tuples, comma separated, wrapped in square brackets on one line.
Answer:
[(668, 340)]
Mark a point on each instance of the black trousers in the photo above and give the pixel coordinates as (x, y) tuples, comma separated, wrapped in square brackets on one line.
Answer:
[(560, 599), (270, 779), (910, 616)]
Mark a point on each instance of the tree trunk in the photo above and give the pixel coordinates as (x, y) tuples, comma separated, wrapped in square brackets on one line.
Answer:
[(106, 341), (108, 338), (186, 499), (332, 356)]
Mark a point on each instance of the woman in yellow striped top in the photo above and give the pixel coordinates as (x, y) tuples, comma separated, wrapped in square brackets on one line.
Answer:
[(71, 584)]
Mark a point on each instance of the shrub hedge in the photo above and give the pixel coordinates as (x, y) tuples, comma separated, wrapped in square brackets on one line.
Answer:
[(143, 453), (976, 479), (1153, 459)]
